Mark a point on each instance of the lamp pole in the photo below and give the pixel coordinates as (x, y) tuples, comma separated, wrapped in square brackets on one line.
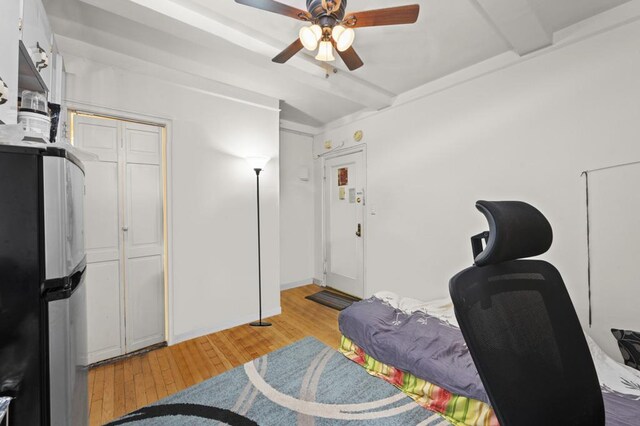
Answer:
[(259, 323)]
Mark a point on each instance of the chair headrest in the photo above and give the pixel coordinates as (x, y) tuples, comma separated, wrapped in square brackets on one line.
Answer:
[(516, 230)]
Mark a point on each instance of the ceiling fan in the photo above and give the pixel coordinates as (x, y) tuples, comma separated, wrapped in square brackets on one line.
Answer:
[(332, 28)]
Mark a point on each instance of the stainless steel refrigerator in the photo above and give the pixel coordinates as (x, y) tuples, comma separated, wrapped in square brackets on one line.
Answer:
[(43, 318)]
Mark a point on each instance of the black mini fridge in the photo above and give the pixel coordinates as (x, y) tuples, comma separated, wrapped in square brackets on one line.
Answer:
[(43, 318)]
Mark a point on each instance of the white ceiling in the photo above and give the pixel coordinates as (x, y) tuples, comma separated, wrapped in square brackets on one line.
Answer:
[(233, 44)]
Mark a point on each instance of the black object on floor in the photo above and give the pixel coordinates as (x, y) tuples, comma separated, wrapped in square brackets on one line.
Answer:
[(332, 299)]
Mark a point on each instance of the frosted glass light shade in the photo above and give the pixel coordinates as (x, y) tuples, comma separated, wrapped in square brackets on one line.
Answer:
[(309, 36), (257, 162), (343, 37), (325, 52)]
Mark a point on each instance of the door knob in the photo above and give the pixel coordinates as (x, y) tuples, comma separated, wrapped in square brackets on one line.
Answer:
[(125, 228), (359, 231)]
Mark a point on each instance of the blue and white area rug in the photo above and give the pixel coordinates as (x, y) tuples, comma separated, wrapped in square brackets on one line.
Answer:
[(306, 383)]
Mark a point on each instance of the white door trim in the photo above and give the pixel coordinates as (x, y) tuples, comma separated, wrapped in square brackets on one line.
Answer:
[(328, 156), (167, 124)]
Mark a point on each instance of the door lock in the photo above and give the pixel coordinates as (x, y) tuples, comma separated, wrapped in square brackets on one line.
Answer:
[(359, 231)]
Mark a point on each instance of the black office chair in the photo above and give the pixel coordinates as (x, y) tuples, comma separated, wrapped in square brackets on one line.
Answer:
[(521, 327)]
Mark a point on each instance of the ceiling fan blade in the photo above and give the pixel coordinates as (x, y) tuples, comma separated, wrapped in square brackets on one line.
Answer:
[(351, 58), (288, 53), (390, 16), (276, 7)]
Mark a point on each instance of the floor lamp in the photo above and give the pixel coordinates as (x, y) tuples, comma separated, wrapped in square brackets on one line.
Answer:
[(257, 164)]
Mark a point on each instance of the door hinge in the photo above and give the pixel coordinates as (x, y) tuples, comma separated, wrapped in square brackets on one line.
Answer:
[(20, 23)]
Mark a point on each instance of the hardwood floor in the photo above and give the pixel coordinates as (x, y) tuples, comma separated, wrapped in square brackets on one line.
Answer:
[(124, 386)]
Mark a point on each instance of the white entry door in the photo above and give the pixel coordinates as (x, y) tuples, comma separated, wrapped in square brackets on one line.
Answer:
[(344, 223), (124, 235)]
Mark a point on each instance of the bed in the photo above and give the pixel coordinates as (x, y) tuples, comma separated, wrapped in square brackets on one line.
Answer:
[(418, 347)]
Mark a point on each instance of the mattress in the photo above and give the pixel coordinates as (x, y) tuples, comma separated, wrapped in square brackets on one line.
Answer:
[(457, 409), (423, 340)]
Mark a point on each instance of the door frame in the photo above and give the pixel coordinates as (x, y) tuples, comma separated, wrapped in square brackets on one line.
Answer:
[(329, 156), (74, 107)]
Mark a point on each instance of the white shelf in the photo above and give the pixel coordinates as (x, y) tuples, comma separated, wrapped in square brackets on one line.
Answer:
[(29, 78)]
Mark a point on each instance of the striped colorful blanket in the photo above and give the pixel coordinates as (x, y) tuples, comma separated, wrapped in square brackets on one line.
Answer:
[(459, 410)]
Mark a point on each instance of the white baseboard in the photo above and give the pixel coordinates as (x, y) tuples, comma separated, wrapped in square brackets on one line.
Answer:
[(223, 326), (295, 284), (103, 355), (318, 281)]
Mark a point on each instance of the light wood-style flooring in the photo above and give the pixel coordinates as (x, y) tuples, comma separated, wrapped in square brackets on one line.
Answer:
[(124, 386)]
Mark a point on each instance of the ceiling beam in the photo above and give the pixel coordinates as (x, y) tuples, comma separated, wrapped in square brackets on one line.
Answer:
[(194, 22), (517, 22)]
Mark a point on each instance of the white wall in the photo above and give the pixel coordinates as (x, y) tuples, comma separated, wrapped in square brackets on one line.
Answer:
[(614, 224), (212, 191), (296, 210), (523, 132)]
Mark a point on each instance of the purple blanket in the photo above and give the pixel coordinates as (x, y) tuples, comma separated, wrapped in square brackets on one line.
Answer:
[(435, 351)]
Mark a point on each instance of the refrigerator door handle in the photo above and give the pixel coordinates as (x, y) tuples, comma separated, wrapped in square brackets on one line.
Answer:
[(63, 288)]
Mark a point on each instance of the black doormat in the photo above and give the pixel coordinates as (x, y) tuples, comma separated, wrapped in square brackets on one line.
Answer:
[(332, 299)]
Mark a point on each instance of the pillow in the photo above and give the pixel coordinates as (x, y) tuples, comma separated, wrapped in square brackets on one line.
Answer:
[(629, 343)]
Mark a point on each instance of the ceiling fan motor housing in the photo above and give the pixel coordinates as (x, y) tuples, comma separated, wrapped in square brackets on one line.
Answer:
[(316, 9)]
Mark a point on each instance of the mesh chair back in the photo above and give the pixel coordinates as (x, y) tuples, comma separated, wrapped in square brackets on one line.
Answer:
[(522, 330)]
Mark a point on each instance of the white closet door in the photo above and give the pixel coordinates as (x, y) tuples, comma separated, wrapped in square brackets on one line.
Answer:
[(103, 235), (144, 240)]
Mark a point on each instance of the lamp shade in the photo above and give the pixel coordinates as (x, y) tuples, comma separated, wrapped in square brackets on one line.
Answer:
[(343, 37), (325, 52), (309, 36), (257, 162)]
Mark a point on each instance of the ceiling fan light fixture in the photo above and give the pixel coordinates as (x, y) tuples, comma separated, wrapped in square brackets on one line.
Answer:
[(325, 52), (310, 36), (343, 37)]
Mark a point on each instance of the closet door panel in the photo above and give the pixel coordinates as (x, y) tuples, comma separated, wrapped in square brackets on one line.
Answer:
[(104, 311), (144, 239), (143, 144), (98, 136), (101, 212), (103, 236), (144, 210), (124, 235), (145, 302)]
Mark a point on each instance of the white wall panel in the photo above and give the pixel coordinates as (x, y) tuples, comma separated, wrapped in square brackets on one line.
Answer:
[(296, 210), (212, 193), (524, 132)]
